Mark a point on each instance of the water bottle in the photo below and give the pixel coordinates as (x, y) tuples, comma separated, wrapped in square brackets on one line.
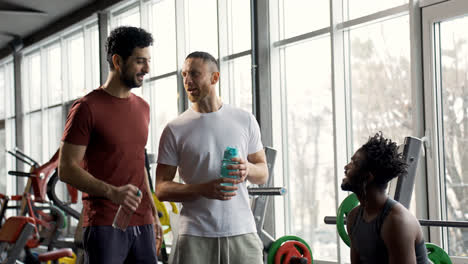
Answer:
[(229, 153), (123, 216)]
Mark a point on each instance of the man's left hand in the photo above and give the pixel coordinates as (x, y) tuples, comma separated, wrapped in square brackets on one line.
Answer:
[(158, 233), (242, 169)]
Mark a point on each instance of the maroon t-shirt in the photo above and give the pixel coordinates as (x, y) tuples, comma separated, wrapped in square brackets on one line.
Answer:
[(115, 131)]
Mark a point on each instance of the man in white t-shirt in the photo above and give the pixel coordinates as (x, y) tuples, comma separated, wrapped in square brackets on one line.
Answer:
[(216, 223)]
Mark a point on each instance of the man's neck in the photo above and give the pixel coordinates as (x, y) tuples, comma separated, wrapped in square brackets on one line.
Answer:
[(374, 202), (115, 87), (208, 106)]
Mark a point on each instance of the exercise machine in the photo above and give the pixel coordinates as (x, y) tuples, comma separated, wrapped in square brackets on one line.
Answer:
[(287, 249)]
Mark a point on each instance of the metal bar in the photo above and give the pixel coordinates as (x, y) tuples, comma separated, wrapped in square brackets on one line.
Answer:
[(331, 220), (375, 16), (426, 3), (267, 191), (162, 76), (302, 37), (237, 55), (19, 158), (405, 183), (21, 153)]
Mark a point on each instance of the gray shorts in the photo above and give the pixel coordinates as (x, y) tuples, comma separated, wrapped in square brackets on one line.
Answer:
[(107, 245), (240, 249)]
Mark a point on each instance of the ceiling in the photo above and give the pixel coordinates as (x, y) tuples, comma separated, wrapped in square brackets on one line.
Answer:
[(23, 22)]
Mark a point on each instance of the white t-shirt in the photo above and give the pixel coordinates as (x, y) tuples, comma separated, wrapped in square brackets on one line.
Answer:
[(195, 142)]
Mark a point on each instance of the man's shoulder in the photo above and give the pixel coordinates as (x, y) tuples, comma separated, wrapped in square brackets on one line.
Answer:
[(140, 101), (400, 221), (239, 113), (181, 120), (91, 97)]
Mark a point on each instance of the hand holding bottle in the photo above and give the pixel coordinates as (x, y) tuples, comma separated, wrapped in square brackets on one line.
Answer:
[(129, 198), (226, 165)]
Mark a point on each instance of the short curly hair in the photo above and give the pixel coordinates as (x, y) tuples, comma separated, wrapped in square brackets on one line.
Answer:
[(383, 160), (123, 40)]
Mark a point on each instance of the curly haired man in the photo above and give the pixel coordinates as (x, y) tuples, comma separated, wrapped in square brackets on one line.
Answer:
[(381, 229)]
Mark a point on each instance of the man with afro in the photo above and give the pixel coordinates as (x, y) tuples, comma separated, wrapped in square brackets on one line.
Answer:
[(381, 229)]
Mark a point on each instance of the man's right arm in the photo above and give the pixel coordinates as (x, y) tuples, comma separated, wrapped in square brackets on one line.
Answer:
[(169, 190), (71, 172), (350, 219)]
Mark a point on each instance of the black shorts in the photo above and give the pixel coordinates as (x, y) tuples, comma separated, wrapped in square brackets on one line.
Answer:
[(107, 245)]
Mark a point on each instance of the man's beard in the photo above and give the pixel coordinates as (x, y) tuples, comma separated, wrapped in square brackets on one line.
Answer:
[(357, 186), (347, 186), (128, 80)]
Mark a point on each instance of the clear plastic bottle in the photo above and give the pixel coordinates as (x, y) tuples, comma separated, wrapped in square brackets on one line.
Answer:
[(123, 216), (229, 153)]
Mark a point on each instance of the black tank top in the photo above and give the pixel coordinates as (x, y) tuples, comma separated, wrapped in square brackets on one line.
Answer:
[(369, 244)]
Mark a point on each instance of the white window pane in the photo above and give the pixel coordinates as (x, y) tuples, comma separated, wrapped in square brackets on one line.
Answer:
[(95, 55), (128, 18), (308, 155), (54, 75), (26, 136), (2, 92), (454, 63), (35, 137), (92, 58), (164, 107), (55, 129), (240, 83), (76, 75), (10, 160), (359, 8), (3, 171), (9, 90), (35, 82), (239, 25), (202, 26), (302, 16), (163, 29), (380, 65), (138, 91)]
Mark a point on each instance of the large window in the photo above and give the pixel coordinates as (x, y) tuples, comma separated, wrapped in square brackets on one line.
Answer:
[(454, 64), (7, 128), (53, 73), (446, 82), (379, 63), (307, 134), (9, 124)]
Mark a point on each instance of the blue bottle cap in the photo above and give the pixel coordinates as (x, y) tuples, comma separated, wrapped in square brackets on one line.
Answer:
[(230, 153)]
